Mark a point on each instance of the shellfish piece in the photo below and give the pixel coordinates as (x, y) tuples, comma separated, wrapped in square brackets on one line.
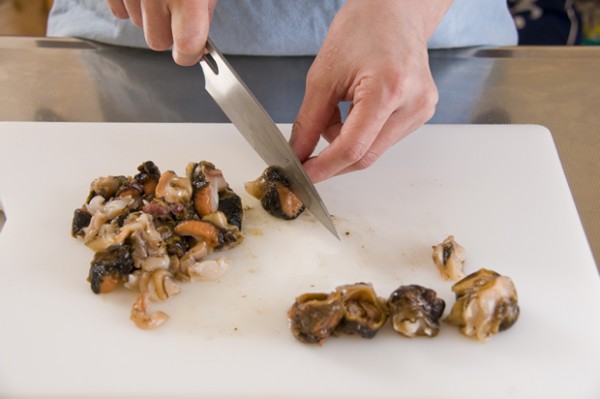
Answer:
[(102, 235), (161, 285), (141, 316), (148, 177), (109, 268), (486, 302), (167, 212), (208, 269), (81, 220), (415, 311), (364, 312), (207, 181), (154, 286), (205, 170), (315, 316), (449, 257), (149, 249), (202, 230), (231, 205), (217, 218), (106, 186), (181, 266), (176, 245), (173, 188), (273, 190), (232, 233), (102, 230), (131, 189)]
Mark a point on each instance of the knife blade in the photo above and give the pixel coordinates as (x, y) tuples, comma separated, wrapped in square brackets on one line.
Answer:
[(250, 118)]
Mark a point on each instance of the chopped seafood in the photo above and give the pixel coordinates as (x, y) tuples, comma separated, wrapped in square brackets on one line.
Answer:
[(173, 188), (141, 316), (207, 181), (230, 205), (110, 267), (153, 229), (148, 177), (214, 235)]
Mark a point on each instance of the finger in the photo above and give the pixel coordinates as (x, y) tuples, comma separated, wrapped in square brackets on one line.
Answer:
[(334, 126), (334, 129), (356, 136), (395, 129), (400, 124), (157, 25), (190, 27), (118, 8), (134, 10), (318, 108)]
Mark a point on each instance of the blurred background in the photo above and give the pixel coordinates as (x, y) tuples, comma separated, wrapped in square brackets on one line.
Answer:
[(539, 22), (24, 17)]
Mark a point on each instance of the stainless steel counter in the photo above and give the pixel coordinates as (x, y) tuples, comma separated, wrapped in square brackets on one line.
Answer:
[(558, 87)]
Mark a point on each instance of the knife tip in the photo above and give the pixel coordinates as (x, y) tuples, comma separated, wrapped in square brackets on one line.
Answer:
[(331, 227)]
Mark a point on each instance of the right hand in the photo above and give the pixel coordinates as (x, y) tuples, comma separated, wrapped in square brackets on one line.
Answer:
[(180, 24)]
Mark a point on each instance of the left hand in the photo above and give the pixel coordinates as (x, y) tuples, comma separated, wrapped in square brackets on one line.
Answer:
[(374, 55)]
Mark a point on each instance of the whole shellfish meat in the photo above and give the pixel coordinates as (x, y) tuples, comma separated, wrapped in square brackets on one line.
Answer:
[(486, 303)]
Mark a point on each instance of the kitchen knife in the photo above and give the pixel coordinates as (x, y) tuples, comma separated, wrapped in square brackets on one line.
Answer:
[(257, 127)]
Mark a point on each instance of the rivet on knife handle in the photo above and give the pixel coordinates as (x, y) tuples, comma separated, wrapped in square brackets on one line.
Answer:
[(257, 127)]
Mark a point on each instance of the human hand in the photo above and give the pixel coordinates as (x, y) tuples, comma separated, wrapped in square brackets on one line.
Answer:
[(375, 55), (181, 24)]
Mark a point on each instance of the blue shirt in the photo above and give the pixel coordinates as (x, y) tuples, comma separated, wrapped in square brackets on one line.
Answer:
[(282, 27)]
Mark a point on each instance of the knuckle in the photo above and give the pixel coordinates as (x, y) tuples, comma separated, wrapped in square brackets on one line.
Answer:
[(119, 13), (316, 80), (303, 124), (428, 113), (427, 103), (157, 43), (354, 153), (298, 125), (367, 160), (186, 51), (189, 45), (430, 98), (395, 82), (397, 87), (136, 20)]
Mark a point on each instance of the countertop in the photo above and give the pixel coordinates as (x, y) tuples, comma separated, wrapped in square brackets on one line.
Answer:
[(44, 79)]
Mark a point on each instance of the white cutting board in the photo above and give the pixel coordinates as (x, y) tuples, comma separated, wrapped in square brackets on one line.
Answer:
[(500, 190)]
